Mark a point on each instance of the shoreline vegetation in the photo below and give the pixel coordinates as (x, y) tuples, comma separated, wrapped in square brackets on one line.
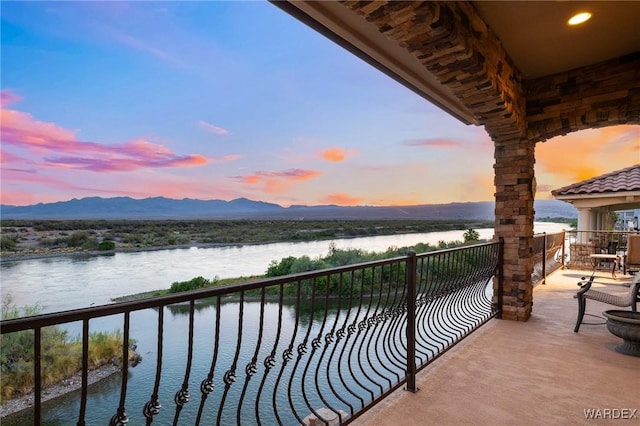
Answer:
[(29, 239), (35, 239), (61, 360)]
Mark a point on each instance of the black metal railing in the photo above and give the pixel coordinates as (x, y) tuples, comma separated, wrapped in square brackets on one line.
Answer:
[(548, 254), (582, 244), (324, 345)]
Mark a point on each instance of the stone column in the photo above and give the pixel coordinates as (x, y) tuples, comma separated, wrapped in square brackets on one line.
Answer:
[(515, 193)]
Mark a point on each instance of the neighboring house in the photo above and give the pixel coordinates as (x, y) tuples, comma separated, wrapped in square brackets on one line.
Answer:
[(595, 198), (628, 220)]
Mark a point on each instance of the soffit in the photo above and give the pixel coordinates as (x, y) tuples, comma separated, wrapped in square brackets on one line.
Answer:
[(534, 36)]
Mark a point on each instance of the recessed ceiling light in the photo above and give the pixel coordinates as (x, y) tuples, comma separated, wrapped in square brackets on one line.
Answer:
[(579, 18)]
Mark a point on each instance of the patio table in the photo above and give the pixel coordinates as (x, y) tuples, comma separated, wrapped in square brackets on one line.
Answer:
[(597, 257)]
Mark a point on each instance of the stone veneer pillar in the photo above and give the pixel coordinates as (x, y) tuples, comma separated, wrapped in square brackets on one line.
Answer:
[(515, 193)]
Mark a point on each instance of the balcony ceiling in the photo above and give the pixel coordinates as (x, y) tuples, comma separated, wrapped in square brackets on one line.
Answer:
[(536, 36), (533, 37)]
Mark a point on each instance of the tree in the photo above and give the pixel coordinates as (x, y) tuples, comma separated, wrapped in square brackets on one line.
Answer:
[(471, 235)]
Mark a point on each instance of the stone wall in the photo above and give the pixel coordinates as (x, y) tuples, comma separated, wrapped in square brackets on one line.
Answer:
[(601, 95)]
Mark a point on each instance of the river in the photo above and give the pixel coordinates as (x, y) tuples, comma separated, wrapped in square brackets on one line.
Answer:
[(70, 282)]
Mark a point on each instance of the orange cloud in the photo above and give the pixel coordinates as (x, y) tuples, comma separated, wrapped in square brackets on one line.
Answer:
[(342, 200), (213, 129), (337, 154), (433, 142), (565, 160), (278, 182), (22, 131)]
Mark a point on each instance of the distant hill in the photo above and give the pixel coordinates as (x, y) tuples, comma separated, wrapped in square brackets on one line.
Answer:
[(242, 208)]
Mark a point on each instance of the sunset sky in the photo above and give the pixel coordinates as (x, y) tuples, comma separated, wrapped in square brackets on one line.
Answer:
[(221, 100)]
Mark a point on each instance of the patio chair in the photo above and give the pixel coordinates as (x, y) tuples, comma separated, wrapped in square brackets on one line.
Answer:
[(630, 299), (632, 258)]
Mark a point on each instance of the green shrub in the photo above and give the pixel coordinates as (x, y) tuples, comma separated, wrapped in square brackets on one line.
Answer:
[(78, 239), (193, 284), (107, 245), (61, 355), (278, 269), (8, 242)]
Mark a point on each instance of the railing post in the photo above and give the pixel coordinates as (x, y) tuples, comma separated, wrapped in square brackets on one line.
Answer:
[(544, 258), (564, 241), (411, 321), (37, 375), (500, 277)]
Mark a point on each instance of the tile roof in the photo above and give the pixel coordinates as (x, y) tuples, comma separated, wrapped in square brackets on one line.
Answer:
[(624, 180)]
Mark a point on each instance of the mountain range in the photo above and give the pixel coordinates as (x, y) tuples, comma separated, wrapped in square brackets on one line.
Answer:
[(242, 208)]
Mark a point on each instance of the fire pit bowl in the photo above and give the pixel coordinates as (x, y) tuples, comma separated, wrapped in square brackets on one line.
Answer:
[(626, 325)]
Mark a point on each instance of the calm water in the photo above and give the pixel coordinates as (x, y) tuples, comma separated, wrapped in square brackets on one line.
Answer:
[(70, 282), (63, 283)]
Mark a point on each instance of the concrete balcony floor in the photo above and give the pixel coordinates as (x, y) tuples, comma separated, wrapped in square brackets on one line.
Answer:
[(537, 372)]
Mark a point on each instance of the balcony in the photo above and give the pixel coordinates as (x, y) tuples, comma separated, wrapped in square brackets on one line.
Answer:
[(342, 344), (534, 373)]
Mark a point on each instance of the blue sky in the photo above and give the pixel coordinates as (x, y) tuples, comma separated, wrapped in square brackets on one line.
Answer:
[(220, 100)]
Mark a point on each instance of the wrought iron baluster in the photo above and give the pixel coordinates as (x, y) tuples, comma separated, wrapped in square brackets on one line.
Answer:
[(231, 375), (287, 356), (207, 385), (327, 339), (364, 327), (352, 330), (381, 328), (423, 298), (270, 361), (333, 340), (393, 333), (302, 351), (341, 342), (183, 396), (439, 332), (152, 407), (252, 367), (120, 418)]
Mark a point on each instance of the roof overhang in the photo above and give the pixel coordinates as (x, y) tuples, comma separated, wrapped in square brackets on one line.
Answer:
[(616, 201), (350, 31), (514, 67)]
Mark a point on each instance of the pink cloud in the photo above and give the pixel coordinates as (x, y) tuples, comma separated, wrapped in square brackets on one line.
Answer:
[(337, 154), (278, 182), (342, 199), (229, 158), (121, 164), (7, 97), (434, 142), (213, 129), (22, 131)]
